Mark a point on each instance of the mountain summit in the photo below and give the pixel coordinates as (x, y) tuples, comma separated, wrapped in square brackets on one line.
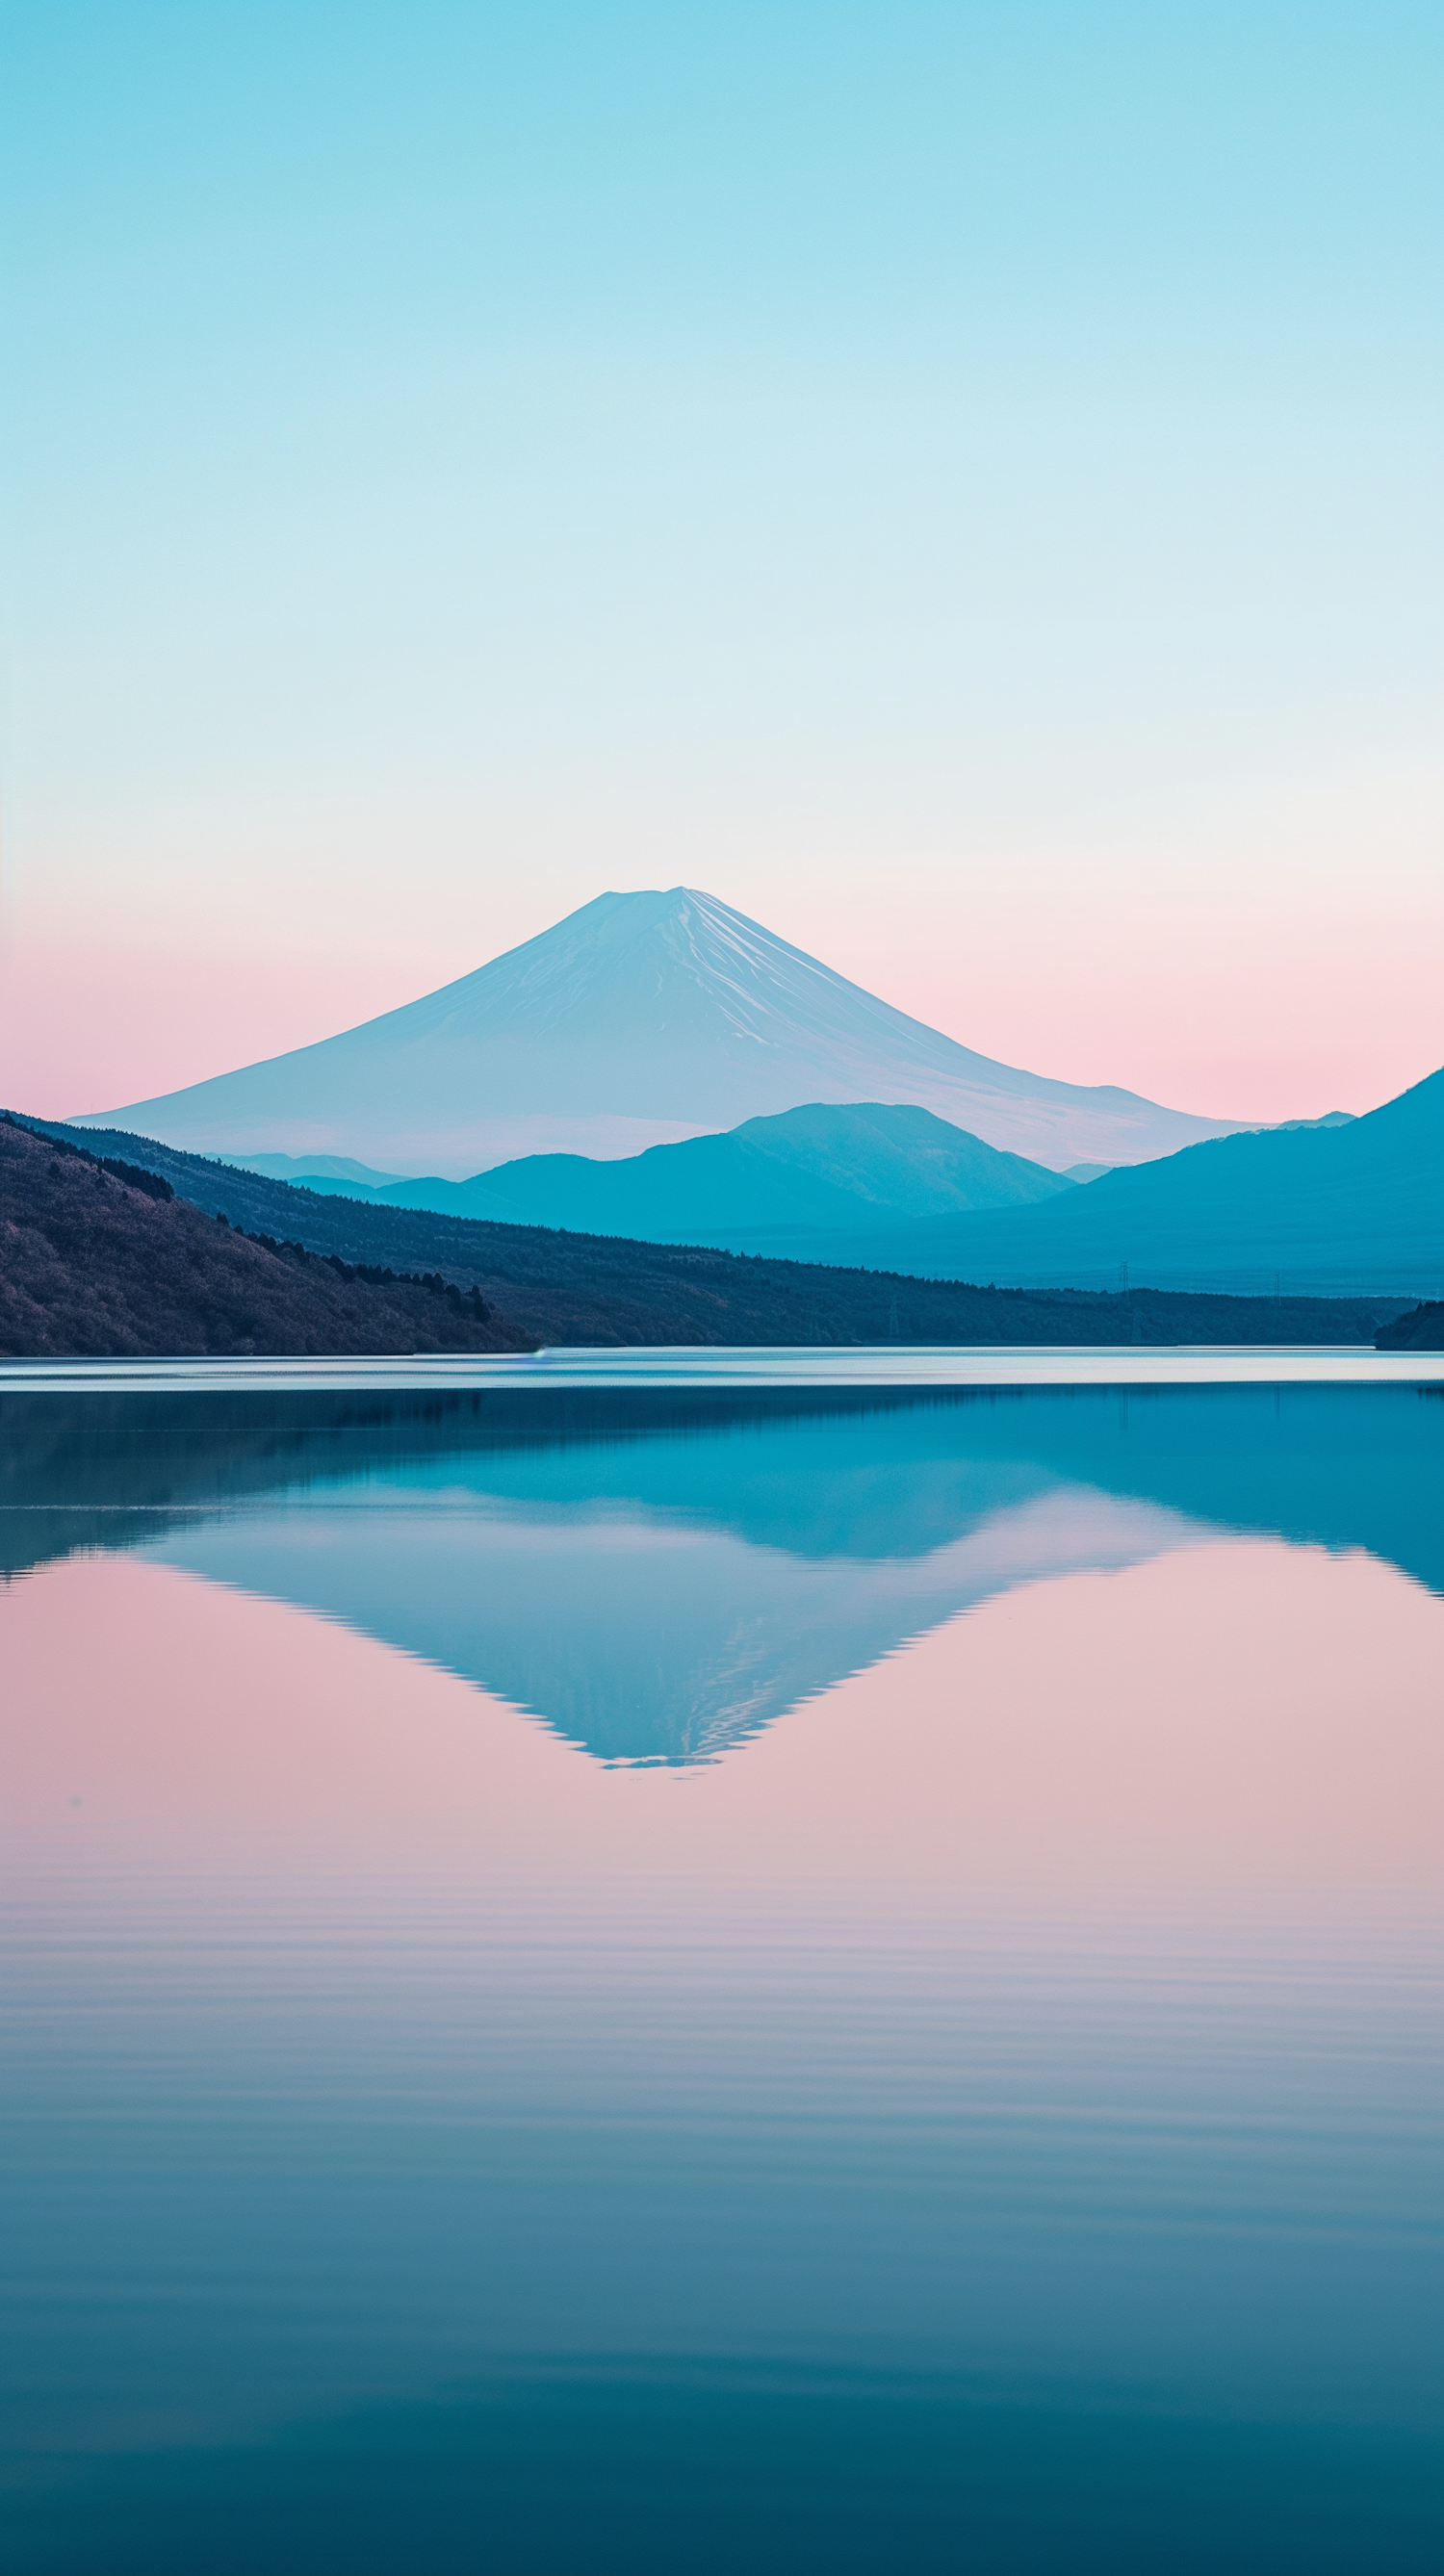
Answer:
[(639, 1020)]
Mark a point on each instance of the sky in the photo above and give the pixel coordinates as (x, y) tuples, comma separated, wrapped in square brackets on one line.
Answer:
[(960, 483)]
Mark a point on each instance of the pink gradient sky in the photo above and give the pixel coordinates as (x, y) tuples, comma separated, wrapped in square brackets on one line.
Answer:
[(1251, 1000), (977, 511)]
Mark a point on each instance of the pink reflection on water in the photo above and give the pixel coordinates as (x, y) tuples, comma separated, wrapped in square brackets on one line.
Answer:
[(1238, 1732)]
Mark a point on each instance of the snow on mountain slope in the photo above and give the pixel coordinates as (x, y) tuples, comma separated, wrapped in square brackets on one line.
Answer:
[(639, 1020)]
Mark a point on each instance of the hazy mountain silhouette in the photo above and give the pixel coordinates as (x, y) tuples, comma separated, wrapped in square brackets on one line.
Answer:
[(1334, 1206), (331, 1171), (640, 1019), (867, 1164), (1354, 1207)]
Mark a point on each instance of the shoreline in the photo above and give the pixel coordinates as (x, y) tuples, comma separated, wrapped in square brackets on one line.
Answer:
[(882, 1365)]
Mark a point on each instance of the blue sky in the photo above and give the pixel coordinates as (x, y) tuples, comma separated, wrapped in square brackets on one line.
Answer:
[(962, 483)]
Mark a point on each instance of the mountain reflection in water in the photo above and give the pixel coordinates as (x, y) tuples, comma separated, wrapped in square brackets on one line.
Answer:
[(815, 2084), (657, 1575)]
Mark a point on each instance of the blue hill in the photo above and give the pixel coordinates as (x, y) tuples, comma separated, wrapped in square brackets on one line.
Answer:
[(1348, 1207), (1336, 1210), (855, 1168)]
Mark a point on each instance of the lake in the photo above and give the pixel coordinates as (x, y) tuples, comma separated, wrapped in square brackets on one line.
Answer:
[(652, 1970)]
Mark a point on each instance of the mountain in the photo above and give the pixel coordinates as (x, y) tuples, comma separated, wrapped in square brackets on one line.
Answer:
[(1331, 1207), (639, 1020), (337, 1171), (100, 1259), (1355, 1208), (868, 1164), (570, 1289)]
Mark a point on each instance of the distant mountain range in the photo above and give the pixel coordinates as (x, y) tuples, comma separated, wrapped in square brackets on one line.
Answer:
[(1344, 1207), (564, 1288), (1333, 1210), (817, 1168), (641, 1019)]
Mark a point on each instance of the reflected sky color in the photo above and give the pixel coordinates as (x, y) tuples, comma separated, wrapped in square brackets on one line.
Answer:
[(985, 2103), (1031, 1759)]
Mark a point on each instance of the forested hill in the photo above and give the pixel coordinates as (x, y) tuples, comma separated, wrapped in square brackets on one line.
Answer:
[(569, 1289), (100, 1259)]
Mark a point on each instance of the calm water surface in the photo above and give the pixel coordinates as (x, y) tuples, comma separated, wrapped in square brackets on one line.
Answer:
[(648, 1978)]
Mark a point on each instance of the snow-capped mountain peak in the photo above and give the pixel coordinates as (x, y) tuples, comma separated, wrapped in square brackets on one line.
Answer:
[(638, 1020)]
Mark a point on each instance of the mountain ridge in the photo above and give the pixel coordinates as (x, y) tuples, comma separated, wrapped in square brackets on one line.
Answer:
[(826, 1165), (1351, 1209), (570, 1289), (1335, 1206)]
